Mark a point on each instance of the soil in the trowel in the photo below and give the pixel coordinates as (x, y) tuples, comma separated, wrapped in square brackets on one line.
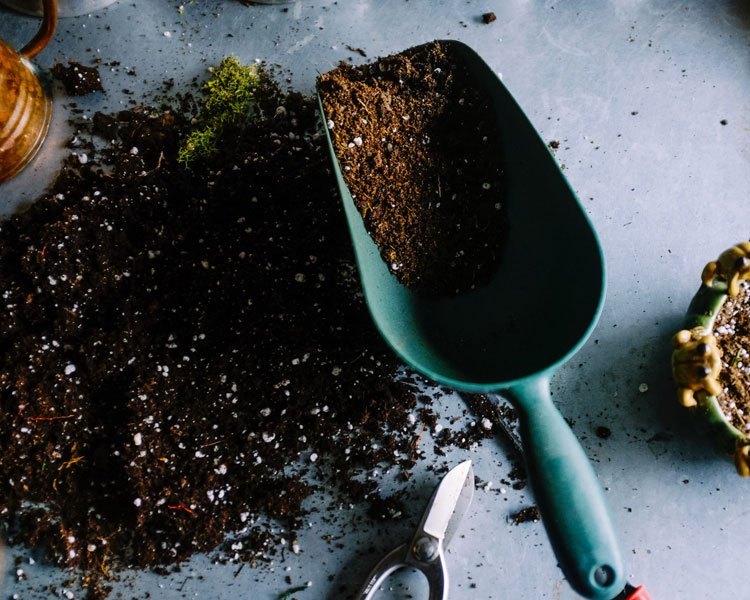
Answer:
[(418, 145)]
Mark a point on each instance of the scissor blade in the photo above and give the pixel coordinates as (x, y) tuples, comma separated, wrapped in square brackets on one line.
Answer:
[(449, 503)]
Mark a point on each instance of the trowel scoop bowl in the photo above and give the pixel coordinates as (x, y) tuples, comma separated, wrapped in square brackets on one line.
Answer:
[(512, 334)]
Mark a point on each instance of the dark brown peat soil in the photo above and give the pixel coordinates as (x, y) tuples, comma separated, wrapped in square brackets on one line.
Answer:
[(186, 354)]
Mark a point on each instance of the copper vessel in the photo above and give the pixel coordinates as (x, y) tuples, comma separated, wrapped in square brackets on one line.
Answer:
[(25, 108)]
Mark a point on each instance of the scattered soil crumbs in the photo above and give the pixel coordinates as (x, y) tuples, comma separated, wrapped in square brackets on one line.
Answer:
[(489, 17), (386, 509), (182, 349), (530, 513), (732, 331), (77, 79), (419, 149)]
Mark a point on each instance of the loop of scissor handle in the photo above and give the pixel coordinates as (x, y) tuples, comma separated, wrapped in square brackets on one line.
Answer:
[(401, 557), (45, 33)]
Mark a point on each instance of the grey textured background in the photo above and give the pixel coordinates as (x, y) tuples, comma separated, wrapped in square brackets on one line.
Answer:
[(635, 92)]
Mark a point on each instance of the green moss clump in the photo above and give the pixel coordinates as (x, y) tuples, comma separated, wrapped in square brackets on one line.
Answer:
[(230, 94)]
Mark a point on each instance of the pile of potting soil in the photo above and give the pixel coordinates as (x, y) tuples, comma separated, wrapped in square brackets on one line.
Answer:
[(182, 348)]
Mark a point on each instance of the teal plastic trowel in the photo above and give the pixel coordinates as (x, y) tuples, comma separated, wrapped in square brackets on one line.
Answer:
[(512, 334)]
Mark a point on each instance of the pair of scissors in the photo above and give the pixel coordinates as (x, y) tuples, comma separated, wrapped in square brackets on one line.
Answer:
[(426, 550)]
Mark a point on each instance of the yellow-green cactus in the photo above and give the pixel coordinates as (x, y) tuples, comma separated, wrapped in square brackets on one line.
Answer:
[(742, 459), (732, 266), (696, 364)]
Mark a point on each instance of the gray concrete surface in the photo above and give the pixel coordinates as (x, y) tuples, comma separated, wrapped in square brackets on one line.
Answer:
[(635, 91)]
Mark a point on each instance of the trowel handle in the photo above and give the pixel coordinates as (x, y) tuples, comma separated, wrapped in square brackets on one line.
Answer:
[(568, 494)]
